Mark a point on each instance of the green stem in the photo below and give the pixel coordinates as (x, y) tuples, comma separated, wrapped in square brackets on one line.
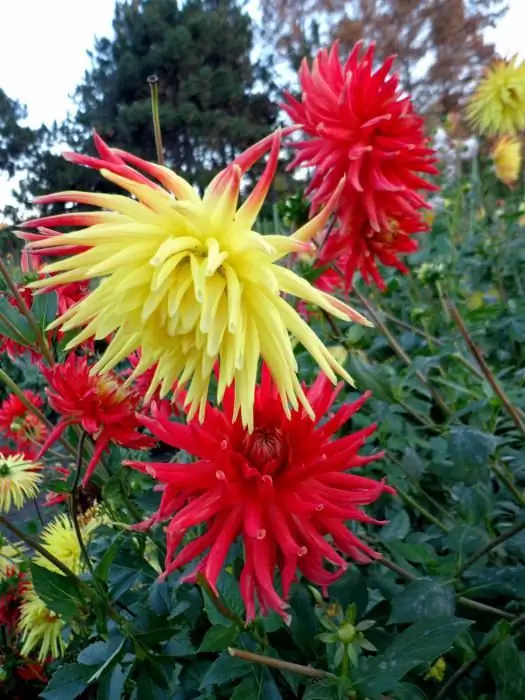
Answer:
[(424, 512), (153, 81), (73, 503), (508, 483), (13, 386), (26, 311)]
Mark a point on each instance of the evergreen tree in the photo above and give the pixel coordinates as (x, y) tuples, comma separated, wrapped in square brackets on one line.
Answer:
[(214, 100), (15, 140)]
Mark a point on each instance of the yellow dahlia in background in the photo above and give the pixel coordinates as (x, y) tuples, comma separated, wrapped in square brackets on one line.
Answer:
[(40, 627), (187, 280), (19, 480), (506, 155), (498, 104)]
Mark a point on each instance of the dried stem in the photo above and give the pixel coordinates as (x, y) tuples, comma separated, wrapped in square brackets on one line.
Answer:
[(490, 546), (489, 376), (153, 81), (278, 663), (26, 311)]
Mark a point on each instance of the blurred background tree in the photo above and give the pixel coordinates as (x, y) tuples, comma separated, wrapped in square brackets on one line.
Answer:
[(439, 43)]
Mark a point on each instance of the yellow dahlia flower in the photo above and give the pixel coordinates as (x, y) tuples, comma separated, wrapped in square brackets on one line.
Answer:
[(10, 556), (187, 280), (506, 155), (19, 480), (498, 104), (40, 627)]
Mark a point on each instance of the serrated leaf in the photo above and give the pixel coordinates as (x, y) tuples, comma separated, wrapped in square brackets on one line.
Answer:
[(224, 670), (45, 308), (398, 527), (507, 581), (322, 690), (423, 599), (412, 463), (249, 687), (67, 683), (469, 450), (61, 594), (218, 638), (230, 595)]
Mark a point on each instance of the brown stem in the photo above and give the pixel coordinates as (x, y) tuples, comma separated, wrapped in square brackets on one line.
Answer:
[(469, 665), (278, 663), (490, 546), (489, 376), (508, 483), (376, 318), (217, 602), (26, 311)]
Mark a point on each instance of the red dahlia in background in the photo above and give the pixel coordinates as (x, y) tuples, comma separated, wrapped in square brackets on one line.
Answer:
[(102, 406), (282, 489), (20, 425), (362, 126)]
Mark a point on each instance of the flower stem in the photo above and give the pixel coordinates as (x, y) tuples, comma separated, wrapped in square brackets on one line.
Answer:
[(153, 81), (218, 604), (13, 386), (490, 546), (73, 503), (26, 311), (376, 318), (33, 544), (279, 663), (511, 410), (424, 512)]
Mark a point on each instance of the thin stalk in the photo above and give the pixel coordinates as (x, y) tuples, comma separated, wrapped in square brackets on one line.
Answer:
[(421, 509), (279, 663), (495, 542), (73, 502), (26, 311), (483, 650), (489, 376), (20, 339), (466, 602), (33, 544), (400, 352), (512, 488), (218, 604), (153, 81), (13, 386)]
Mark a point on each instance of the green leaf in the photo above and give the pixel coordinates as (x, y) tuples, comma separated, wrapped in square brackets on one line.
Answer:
[(412, 463), (104, 565), (398, 527), (61, 594), (112, 684), (507, 581), (230, 595), (351, 588), (470, 450), (466, 539), (507, 665), (24, 333), (67, 683), (322, 690), (249, 687), (219, 638), (419, 644), (95, 654), (224, 670), (423, 599), (407, 691), (45, 308)]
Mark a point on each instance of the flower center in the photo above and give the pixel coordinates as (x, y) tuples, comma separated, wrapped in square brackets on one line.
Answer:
[(264, 445)]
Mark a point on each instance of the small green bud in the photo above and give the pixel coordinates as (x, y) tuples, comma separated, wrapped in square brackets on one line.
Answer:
[(347, 633)]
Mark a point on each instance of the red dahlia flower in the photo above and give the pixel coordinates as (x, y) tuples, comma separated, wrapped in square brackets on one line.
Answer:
[(102, 406), (20, 425), (361, 125), (12, 586), (282, 489)]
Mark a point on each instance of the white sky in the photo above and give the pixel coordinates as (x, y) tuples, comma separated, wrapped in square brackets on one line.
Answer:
[(44, 44)]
